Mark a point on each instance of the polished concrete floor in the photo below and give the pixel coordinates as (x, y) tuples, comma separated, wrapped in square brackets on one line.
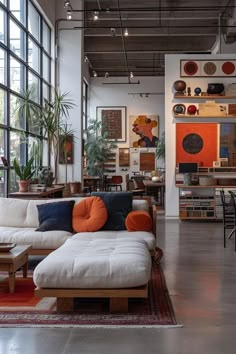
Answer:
[(201, 277)]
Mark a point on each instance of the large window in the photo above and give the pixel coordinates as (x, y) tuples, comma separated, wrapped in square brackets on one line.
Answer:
[(25, 63)]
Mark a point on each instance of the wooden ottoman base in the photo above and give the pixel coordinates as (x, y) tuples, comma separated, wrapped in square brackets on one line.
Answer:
[(118, 297)]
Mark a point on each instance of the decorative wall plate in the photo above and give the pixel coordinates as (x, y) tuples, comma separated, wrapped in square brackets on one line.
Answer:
[(192, 143), (208, 68)]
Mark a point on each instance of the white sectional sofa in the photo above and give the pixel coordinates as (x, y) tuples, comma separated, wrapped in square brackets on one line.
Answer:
[(19, 220), (113, 264)]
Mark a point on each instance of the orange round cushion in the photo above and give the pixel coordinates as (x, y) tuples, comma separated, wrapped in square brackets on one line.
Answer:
[(138, 220), (89, 215)]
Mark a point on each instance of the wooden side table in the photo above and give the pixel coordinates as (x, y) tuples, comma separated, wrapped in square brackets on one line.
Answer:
[(11, 261)]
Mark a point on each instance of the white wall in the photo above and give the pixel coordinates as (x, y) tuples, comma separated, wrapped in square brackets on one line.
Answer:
[(172, 69), (70, 80)]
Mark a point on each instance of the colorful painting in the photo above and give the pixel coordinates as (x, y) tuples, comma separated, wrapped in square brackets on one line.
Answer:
[(113, 121), (196, 142), (144, 130), (208, 68)]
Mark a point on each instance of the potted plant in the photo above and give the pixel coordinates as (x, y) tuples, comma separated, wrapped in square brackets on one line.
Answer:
[(25, 174), (97, 147), (48, 117)]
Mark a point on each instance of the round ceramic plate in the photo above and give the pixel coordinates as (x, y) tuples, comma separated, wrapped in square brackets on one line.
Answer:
[(5, 247)]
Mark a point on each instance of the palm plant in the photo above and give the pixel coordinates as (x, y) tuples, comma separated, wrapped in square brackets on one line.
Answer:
[(98, 148), (48, 117)]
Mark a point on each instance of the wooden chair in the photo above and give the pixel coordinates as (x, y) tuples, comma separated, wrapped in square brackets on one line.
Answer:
[(115, 182), (229, 214)]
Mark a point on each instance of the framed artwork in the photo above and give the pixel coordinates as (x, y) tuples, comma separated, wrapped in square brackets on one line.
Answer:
[(143, 130), (208, 68), (66, 149), (196, 142), (113, 121)]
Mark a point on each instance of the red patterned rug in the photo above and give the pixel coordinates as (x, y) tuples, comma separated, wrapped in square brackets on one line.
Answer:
[(156, 311)]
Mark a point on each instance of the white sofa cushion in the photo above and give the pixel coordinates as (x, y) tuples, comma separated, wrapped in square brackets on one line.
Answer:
[(145, 236), (38, 239), (95, 264)]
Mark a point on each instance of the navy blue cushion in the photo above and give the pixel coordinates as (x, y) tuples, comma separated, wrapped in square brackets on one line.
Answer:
[(118, 205), (56, 216)]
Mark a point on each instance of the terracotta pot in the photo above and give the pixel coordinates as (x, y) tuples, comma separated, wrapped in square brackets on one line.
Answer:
[(24, 186), (75, 187), (66, 191)]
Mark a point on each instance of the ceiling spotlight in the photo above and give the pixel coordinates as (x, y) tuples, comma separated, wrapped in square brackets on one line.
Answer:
[(126, 33), (113, 32), (69, 15), (146, 95), (131, 75), (94, 73), (95, 15), (107, 75), (66, 4)]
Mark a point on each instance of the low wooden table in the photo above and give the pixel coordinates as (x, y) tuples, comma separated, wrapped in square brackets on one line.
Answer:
[(11, 261), (51, 192)]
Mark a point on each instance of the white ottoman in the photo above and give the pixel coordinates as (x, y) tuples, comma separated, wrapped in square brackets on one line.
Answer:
[(95, 268)]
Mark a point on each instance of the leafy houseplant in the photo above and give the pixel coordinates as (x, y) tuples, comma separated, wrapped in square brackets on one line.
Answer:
[(25, 173), (48, 117), (97, 147)]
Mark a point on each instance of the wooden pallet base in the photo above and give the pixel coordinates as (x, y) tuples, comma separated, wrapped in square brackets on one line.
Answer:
[(118, 297)]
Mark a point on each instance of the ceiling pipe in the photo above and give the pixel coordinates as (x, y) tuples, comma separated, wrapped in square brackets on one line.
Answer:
[(158, 9)]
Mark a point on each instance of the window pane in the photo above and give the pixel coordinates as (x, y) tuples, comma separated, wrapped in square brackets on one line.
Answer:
[(17, 39), (46, 37), (16, 75), (2, 145), (17, 147), (2, 26), (34, 56), (3, 71), (2, 181), (17, 7), (33, 124), (36, 150), (13, 185), (46, 71), (46, 90), (34, 22), (2, 106), (17, 119), (34, 86)]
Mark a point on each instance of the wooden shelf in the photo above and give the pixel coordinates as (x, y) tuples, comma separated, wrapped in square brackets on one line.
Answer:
[(198, 116), (206, 97), (198, 217), (199, 186)]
